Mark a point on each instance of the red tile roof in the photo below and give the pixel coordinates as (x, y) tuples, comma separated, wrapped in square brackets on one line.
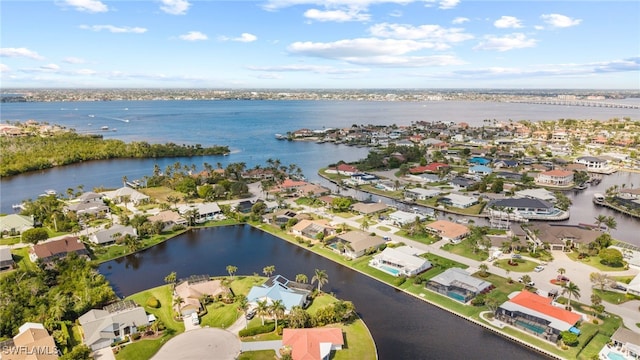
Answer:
[(563, 173), (347, 168), (543, 305), (305, 343)]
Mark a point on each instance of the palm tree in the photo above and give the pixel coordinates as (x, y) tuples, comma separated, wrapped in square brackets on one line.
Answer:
[(571, 289), (262, 309), (277, 309), (321, 277), (231, 270), (483, 269), (268, 270), (171, 279), (365, 223), (561, 271), (173, 200), (600, 219), (243, 305), (302, 278), (611, 223)]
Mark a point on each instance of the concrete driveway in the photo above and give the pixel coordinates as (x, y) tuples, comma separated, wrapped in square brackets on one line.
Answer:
[(104, 354), (205, 343)]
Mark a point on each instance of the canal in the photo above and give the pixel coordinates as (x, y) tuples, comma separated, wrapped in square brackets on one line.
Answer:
[(403, 327)]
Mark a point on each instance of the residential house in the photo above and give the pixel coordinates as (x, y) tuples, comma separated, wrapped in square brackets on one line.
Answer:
[(633, 287), (32, 342), (420, 193), (49, 251), (6, 259), (244, 206), (169, 219), (459, 201), (402, 218), (480, 170), (15, 224), (479, 160), (343, 169), (528, 208), (539, 193), (126, 194), (193, 290), (313, 343), (562, 237), (400, 261), (594, 164), (87, 203), (280, 217), (369, 208), (430, 168), (460, 183), (508, 175), (204, 211), (110, 235), (278, 287), (537, 315), (363, 179), (313, 228), (385, 185), (102, 327), (354, 244), (458, 284), (503, 163), (313, 190), (449, 230), (626, 340), (560, 178)]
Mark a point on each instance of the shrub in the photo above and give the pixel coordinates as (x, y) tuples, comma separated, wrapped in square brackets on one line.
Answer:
[(136, 336), (478, 300), (569, 338), (399, 280), (280, 329), (178, 227), (257, 330), (34, 235), (152, 302)]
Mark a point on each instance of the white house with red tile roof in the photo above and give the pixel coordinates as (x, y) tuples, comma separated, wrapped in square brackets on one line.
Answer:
[(448, 230), (555, 178), (312, 344), (343, 169)]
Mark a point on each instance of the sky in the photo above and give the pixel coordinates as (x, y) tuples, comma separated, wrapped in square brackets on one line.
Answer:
[(312, 44)]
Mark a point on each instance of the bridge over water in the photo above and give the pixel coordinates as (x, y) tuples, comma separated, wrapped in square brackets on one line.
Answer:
[(579, 103)]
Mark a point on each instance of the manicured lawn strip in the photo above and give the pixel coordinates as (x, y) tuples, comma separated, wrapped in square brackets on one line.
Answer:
[(21, 257), (319, 302), (594, 347), (258, 355), (423, 238), (358, 342), (10, 241), (464, 249), (440, 264), (612, 296), (161, 193), (375, 190), (523, 265), (220, 315), (593, 261), (383, 228)]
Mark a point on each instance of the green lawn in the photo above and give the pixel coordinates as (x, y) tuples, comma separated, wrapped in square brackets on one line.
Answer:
[(464, 249), (423, 238), (258, 355), (522, 267), (106, 253), (21, 257), (383, 228), (612, 296), (10, 241), (594, 261), (359, 344)]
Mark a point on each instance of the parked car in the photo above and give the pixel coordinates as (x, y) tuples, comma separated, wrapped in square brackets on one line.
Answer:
[(530, 283), (250, 314), (516, 256), (538, 268), (195, 320), (562, 278), (619, 287)]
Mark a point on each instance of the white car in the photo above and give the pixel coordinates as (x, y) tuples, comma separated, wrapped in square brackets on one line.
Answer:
[(538, 268)]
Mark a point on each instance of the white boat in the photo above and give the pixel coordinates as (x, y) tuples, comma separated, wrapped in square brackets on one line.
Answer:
[(598, 198), (92, 115), (50, 192), (104, 128)]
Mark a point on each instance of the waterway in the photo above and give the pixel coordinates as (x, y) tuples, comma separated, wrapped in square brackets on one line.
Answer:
[(403, 327)]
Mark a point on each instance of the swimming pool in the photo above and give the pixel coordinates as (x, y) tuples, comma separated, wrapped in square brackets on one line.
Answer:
[(615, 356), (535, 328), (390, 270)]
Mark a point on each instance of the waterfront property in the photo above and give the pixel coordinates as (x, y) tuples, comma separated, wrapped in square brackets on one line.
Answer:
[(193, 290), (354, 244), (420, 193), (540, 194), (32, 342), (278, 287), (111, 235), (87, 203), (400, 261), (312, 344), (458, 284), (369, 208), (594, 164), (49, 251), (313, 228), (203, 211), (626, 342), (102, 327), (169, 219), (528, 208), (458, 200), (14, 224), (559, 178), (562, 237), (448, 230), (6, 259), (402, 218), (537, 315), (126, 194)]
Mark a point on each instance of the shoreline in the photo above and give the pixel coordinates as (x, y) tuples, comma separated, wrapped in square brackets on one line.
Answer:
[(476, 322)]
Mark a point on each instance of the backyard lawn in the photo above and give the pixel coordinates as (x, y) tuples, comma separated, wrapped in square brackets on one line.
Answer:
[(464, 249), (594, 261)]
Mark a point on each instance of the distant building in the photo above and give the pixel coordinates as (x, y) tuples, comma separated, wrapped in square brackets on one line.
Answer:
[(593, 164), (15, 224), (6, 259), (540, 194), (313, 228), (126, 194), (169, 219), (420, 193), (49, 251), (555, 178), (33, 342), (108, 236), (355, 243), (480, 170), (369, 208), (458, 284), (459, 201), (102, 327), (402, 218)]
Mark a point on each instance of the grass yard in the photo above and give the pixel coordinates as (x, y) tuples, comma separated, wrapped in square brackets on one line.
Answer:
[(258, 355), (423, 238), (161, 193), (522, 267), (594, 261), (10, 241), (21, 257), (383, 228), (359, 344), (612, 297), (464, 249)]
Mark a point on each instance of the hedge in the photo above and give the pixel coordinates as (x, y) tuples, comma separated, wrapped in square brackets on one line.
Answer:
[(257, 330)]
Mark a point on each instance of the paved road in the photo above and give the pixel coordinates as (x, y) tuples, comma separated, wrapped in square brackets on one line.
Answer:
[(205, 343)]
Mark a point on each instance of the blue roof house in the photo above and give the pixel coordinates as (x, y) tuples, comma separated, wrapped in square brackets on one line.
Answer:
[(480, 170), (280, 288), (479, 160)]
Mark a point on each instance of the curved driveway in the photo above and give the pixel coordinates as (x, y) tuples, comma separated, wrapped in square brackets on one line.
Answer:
[(205, 343)]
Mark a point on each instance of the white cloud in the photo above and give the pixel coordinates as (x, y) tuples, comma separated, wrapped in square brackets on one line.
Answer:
[(193, 36), (407, 61), (560, 21), (508, 22), (395, 13), (114, 29), (336, 15), (175, 7), (505, 43), (4, 68), (51, 67), (90, 6), (74, 60), (20, 52), (460, 20), (245, 37), (434, 33), (448, 4), (318, 69), (361, 4)]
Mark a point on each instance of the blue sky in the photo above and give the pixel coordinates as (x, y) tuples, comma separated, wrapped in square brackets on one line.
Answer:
[(320, 44)]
